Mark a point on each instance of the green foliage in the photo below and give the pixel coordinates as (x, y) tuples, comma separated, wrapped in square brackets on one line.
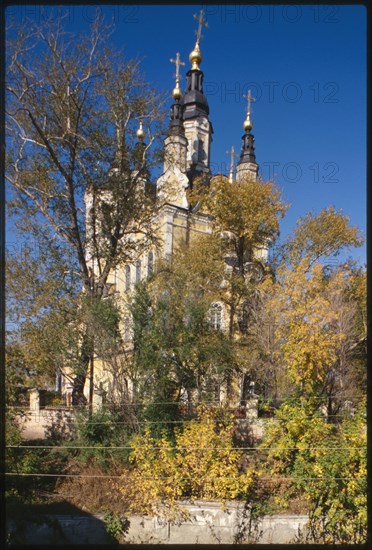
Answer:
[(95, 434), (174, 346), (163, 418), (115, 526), (26, 486), (326, 464)]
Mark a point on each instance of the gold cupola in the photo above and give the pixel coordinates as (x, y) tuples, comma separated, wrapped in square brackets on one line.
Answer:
[(195, 57), (247, 124), (141, 132)]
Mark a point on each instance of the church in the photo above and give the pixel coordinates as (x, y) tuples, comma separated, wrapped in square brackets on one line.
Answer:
[(187, 153)]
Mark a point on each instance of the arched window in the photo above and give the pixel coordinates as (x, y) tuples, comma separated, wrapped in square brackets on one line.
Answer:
[(201, 154), (150, 264), (138, 271), (127, 277), (215, 316)]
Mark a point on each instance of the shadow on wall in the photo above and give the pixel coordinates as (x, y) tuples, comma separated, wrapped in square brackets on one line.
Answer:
[(55, 523)]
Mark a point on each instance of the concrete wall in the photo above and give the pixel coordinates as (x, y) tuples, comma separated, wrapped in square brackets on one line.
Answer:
[(40, 423), (207, 524), (58, 529)]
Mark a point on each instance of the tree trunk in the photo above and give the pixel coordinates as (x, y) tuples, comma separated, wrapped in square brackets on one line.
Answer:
[(78, 397)]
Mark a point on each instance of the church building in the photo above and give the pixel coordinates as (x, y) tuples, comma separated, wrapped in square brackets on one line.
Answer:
[(187, 156)]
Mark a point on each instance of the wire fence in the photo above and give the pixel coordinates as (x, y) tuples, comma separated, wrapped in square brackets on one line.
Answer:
[(186, 448), (272, 479)]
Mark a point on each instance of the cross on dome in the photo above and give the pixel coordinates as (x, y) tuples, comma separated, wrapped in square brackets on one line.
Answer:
[(202, 23), (248, 123), (177, 90)]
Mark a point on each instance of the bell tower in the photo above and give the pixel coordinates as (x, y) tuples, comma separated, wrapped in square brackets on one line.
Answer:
[(172, 184), (247, 165), (198, 128)]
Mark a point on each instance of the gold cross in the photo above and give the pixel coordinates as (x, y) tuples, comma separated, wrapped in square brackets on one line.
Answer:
[(233, 155), (178, 62), (202, 22), (250, 98)]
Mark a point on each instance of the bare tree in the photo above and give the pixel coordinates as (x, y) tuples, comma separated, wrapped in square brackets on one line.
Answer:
[(78, 172)]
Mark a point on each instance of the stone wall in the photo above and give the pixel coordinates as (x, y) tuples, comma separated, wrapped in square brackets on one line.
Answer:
[(207, 524)]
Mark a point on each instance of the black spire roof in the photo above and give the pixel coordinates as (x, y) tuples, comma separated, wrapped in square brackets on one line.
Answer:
[(195, 102), (247, 153), (176, 115)]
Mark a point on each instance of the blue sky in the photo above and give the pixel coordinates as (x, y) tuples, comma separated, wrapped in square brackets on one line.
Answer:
[(306, 66)]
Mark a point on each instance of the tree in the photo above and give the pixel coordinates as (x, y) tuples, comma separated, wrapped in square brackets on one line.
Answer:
[(316, 447), (174, 346), (320, 236), (308, 322), (72, 160), (245, 217), (324, 464), (247, 214)]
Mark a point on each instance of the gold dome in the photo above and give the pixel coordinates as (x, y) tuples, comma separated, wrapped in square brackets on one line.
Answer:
[(140, 132), (177, 94), (195, 57), (247, 125)]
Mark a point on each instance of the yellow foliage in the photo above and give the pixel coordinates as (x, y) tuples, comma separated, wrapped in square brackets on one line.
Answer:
[(251, 209), (307, 308), (202, 464)]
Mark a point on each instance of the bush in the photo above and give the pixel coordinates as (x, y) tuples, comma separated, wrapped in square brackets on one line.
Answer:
[(101, 432), (201, 464)]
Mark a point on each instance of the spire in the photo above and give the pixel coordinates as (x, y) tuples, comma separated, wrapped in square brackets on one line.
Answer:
[(141, 132), (195, 101), (232, 163), (176, 124), (247, 163), (140, 146), (196, 56), (177, 94), (248, 123), (198, 129)]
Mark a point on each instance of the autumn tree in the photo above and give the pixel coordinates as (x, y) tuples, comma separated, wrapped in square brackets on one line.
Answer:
[(317, 237), (304, 283), (73, 106), (245, 216), (316, 446), (175, 347)]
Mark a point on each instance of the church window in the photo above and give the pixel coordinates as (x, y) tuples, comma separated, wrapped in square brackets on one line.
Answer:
[(215, 316), (243, 317), (150, 264), (127, 277), (138, 271), (200, 150)]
